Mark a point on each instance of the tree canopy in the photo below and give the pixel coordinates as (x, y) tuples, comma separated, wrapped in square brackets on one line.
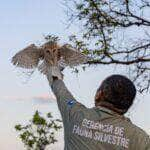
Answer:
[(114, 32)]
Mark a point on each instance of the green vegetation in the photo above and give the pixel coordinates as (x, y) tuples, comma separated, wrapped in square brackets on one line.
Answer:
[(114, 33), (39, 132)]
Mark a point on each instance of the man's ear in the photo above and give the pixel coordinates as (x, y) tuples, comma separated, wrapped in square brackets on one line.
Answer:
[(98, 94)]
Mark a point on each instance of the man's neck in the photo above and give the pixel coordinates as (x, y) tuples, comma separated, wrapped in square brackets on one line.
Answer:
[(111, 107)]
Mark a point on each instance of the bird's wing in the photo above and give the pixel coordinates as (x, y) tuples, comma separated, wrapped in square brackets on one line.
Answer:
[(72, 57), (28, 58)]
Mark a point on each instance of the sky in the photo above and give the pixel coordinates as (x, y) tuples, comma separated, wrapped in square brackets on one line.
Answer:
[(23, 22)]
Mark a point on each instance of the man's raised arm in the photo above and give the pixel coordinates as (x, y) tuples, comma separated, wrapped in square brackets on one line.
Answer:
[(66, 102)]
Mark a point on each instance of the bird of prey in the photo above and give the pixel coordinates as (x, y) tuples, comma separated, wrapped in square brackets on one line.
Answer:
[(48, 55)]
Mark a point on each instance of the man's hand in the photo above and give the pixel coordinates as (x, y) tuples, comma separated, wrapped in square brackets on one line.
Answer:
[(54, 73)]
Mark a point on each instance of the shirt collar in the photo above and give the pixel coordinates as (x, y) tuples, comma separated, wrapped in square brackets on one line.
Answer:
[(111, 112), (105, 109)]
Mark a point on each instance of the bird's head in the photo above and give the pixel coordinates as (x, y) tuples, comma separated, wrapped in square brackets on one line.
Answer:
[(51, 52)]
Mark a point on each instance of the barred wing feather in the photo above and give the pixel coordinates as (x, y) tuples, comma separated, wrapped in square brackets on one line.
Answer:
[(28, 58), (72, 57)]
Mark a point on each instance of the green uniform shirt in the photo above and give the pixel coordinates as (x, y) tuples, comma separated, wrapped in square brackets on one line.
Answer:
[(96, 128)]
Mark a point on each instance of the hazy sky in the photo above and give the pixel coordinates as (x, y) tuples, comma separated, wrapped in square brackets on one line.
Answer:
[(23, 22)]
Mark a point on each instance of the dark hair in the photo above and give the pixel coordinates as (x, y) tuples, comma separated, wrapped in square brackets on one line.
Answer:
[(117, 90)]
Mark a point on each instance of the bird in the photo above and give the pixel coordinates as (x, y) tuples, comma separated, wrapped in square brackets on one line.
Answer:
[(48, 55)]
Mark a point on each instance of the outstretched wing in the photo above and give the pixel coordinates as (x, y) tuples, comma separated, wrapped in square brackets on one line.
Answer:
[(28, 58), (72, 57)]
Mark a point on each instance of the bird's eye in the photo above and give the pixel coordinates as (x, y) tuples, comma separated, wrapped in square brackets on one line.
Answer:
[(47, 51), (54, 50)]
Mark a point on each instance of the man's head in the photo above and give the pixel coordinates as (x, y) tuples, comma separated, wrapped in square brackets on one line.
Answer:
[(116, 92)]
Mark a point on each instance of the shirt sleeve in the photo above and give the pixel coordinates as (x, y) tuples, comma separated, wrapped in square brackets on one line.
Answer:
[(69, 107), (147, 143)]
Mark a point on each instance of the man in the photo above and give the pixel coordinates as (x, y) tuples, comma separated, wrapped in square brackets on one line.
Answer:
[(103, 127)]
